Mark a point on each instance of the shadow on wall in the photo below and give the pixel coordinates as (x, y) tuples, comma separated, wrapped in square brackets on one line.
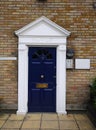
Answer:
[(1, 101)]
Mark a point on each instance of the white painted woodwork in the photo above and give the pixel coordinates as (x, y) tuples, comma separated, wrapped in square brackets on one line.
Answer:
[(43, 33), (8, 58)]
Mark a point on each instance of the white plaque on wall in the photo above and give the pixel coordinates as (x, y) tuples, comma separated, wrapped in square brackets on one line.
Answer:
[(82, 63)]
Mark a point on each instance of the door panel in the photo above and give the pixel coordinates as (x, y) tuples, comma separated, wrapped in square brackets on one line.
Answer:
[(42, 84)]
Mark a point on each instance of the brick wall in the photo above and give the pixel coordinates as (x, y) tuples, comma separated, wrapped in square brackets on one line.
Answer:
[(76, 16)]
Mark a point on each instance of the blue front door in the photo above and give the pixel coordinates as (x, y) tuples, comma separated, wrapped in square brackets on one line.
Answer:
[(42, 79)]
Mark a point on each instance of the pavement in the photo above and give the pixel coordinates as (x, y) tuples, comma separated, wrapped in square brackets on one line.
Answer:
[(45, 121)]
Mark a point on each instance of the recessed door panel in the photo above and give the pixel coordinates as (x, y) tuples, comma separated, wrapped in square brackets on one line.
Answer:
[(42, 83)]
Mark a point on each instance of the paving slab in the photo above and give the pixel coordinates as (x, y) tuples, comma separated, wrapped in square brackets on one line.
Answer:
[(31, 124), (12, 124), (50, 117), (49, 125), (4, 116), (81, 117), (30, 129), (33, 117), (9, 129), (85, 125), (68, 125), (49, 129), (1, 123), (67, 117), (16, 117)]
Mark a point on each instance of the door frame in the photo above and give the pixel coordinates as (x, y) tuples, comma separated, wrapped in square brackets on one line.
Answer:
[(52, 35), (60, 78)]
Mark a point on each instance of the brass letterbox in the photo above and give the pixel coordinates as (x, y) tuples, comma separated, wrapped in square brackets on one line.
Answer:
[(41, 85)]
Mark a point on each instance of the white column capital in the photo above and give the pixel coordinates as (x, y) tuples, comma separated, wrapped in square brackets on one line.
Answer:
[(22, 47), (62, 47)]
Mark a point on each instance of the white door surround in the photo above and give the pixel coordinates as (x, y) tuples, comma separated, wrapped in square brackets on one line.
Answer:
[(42, 32)]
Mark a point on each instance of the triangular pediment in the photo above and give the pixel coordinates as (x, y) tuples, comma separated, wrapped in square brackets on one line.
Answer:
[(42, 27)]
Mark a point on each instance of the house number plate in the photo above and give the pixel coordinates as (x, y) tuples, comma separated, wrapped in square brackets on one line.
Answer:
[(41, 85)]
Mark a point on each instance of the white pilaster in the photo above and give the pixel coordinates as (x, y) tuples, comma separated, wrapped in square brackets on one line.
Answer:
[(22, 79), (61, 79)]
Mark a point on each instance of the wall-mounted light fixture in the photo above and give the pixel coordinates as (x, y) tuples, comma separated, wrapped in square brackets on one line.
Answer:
[(70, 53)]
